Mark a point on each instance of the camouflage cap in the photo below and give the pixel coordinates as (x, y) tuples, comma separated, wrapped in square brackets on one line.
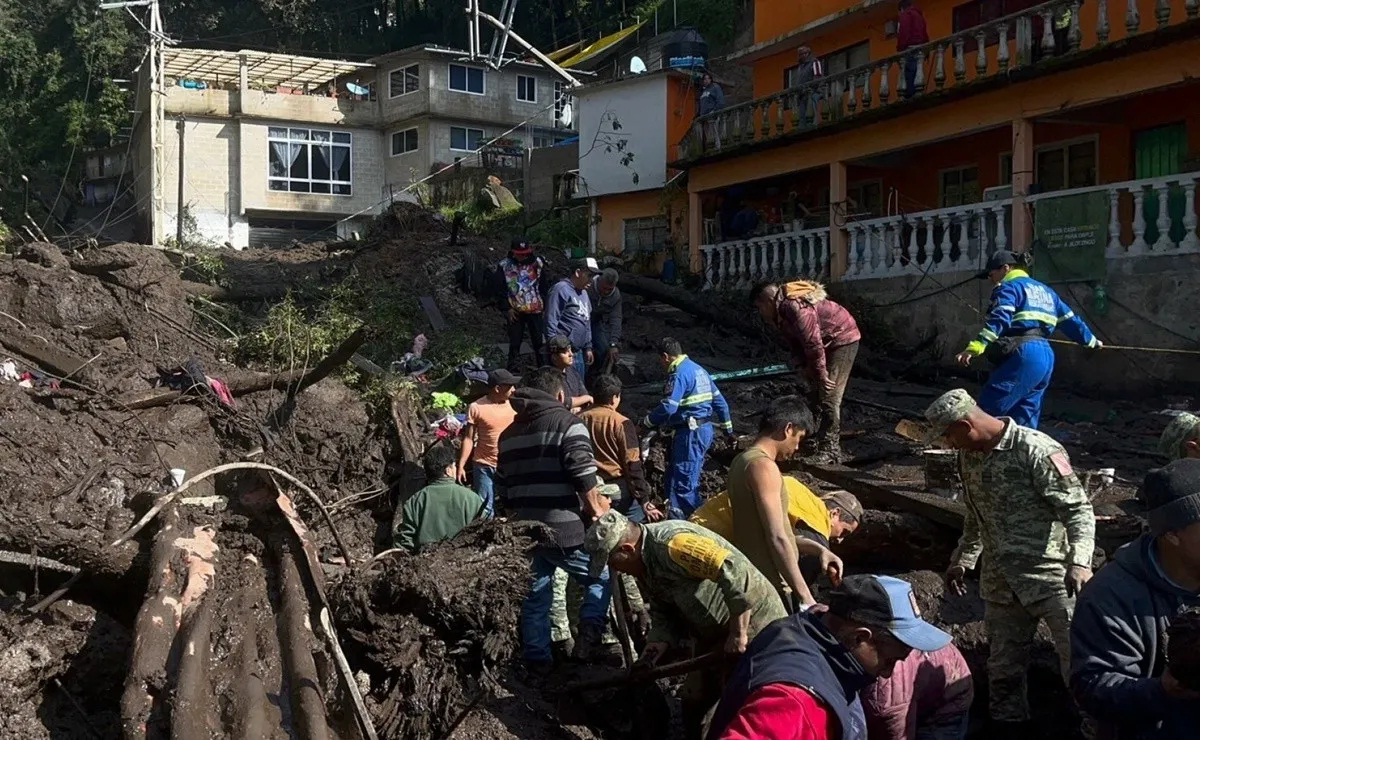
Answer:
[(1173, 439), (605, 534), (946, 410), (610, 490)]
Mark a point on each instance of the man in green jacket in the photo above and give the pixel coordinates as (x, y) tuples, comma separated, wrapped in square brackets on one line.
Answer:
[(701, 589), (442, 508)]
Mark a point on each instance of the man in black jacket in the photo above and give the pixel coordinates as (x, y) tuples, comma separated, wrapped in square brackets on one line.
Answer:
[(546, 473), (1121, 672)]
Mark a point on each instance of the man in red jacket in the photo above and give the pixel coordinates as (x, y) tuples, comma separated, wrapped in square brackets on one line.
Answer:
[(823, 339), (910, 32), (800, 677)]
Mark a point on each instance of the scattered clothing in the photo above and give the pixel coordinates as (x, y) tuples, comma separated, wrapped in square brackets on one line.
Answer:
[(1022, 314), (932, 690), (796, 681), (1118, 637), (9, 371), (445, 400), (437, 512)]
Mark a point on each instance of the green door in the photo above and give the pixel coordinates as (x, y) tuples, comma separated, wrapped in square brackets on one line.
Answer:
[(1161, 152)]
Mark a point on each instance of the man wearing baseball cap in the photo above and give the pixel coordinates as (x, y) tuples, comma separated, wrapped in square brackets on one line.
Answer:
[(1022, 314), (1029, 515), (699, 587), (1123, 675), (520, 295), (569, 313), (801, 677)]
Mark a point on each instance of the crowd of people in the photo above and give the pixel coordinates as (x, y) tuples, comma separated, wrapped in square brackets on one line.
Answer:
[(809, 649)]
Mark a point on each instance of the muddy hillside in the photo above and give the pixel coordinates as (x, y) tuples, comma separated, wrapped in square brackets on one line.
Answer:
[(202, 458)]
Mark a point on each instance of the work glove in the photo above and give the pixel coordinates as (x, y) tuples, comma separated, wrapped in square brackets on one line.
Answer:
[(1095, 344)]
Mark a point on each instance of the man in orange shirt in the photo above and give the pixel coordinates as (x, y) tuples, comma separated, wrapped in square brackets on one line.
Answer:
[(486, 418)]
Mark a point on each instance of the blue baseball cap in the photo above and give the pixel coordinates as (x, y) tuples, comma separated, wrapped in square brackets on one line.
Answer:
[(883, 602)]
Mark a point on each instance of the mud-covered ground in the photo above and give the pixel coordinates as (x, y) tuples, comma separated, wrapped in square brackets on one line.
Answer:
[(431, 640)]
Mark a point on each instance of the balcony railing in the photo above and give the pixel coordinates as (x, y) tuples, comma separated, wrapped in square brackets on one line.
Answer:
[(1058, 28), (1156, 216)]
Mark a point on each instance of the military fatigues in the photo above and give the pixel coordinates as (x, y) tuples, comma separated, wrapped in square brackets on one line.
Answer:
[(1028, 514), (695, 582)]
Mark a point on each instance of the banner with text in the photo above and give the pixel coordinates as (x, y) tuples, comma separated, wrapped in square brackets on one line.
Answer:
[(1071, 238)]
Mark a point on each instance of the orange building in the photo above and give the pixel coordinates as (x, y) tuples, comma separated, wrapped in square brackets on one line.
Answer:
[(849, 176), (629, 135)]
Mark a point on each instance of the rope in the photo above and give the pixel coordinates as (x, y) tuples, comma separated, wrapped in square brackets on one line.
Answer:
[(1131, 349)]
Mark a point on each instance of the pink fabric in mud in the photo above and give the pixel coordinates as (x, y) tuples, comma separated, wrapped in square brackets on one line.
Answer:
[(923, 688), (223, 394)]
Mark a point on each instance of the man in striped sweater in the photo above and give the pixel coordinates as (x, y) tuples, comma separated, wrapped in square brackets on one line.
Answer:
[(546, 473)]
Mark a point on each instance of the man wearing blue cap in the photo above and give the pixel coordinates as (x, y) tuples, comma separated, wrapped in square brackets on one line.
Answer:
[(1022, 314), (800, 678)]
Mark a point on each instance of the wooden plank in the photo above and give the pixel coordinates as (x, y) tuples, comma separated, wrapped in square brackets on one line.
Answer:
[(432, 309)]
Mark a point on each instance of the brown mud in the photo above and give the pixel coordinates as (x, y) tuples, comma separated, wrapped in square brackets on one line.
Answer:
[(431, 640)]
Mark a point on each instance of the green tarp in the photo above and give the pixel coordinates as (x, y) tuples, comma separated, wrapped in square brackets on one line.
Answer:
[(1071, 238)]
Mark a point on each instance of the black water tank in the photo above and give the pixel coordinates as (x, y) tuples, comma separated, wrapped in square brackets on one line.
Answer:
[(685, 49)]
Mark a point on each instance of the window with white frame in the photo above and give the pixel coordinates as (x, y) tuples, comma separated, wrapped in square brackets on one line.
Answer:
[(404, 141), (404, 81), (472, 80), (310, 161), (645, 235), (525, 88), (465, 138), (960, 186)]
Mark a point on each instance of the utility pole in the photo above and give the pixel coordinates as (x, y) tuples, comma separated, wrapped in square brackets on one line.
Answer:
[(155, 148), (181, 123)]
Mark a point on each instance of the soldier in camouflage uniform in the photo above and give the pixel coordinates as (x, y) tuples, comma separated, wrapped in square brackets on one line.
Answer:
[(1181, 438), (1029, 514), (700, 588)]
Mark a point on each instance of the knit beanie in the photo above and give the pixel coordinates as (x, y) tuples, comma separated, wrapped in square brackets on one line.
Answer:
[(1172, 496)]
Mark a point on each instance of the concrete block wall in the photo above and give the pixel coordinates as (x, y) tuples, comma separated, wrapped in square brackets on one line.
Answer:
[(1153, 302)]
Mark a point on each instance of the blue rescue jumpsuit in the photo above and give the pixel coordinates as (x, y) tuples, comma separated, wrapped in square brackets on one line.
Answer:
[(1017, 385), (692, 403)]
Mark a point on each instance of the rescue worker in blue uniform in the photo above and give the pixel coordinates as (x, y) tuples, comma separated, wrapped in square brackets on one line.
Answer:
[(1021, 315), (692, 405)]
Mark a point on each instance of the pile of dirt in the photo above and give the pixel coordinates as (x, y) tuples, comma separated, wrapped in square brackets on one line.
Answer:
[(432, 632)]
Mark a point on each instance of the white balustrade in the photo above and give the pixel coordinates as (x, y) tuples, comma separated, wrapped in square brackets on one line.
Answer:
[(783, 256), (1128, 199), (955, 238)]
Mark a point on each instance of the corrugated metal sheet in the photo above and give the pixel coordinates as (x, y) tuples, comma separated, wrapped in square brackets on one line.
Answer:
[(278, 237)]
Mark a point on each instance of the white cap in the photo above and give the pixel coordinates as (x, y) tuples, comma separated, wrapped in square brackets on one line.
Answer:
[(591, 264)]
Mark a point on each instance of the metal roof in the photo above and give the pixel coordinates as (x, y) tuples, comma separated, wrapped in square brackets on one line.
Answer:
[(263, 69)]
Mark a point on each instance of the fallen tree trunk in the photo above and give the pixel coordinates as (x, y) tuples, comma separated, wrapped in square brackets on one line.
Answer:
[(249, 714), (302, 682), (143, 705), (238, 384), (50, 358), (336, 359), (194, 712)]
